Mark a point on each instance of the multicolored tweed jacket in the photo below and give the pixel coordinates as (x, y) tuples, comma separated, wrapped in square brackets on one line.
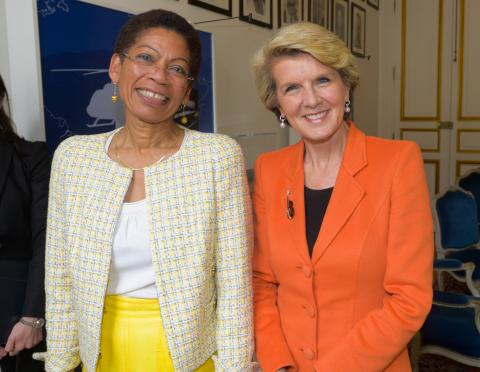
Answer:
[(200, 229)]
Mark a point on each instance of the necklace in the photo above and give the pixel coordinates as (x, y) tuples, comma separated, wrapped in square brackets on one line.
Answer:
[(123, 164)]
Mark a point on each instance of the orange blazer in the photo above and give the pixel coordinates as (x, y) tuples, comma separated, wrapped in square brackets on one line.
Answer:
[(367, 289)]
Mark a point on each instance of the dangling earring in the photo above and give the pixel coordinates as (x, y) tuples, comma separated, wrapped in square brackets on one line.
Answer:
[(283, 118), (184, 118), (347, 106), (114, 95)]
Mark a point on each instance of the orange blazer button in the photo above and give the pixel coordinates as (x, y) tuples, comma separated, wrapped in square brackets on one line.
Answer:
[(308, 354), (307, 271), (309, 310)]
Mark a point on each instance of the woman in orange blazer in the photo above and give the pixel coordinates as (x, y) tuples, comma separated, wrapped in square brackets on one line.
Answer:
[(344, 240)]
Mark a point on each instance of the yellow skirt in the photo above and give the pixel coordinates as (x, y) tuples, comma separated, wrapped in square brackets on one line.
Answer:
[(133, 339)]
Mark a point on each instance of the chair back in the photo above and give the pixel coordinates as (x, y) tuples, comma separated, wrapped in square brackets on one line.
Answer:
[(451, 328), (471, 182), (456, 219)]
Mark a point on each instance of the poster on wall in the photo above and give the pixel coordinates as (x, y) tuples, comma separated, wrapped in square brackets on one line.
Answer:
[(76, 43)]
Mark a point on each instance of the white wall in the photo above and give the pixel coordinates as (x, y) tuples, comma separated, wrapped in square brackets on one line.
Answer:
[(366, 94), (389, 54), (238, 111), (19, 65)]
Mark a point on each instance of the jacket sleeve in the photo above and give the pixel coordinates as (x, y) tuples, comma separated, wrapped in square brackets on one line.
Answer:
[(62, 342), (378, 338), (234, 333), (271, 347), (38, 164)]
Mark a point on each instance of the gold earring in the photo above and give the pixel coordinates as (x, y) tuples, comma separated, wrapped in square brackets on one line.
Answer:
[(184, 118), (114, 95)]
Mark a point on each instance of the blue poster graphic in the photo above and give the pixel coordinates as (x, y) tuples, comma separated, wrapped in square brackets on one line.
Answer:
[(76, 44)]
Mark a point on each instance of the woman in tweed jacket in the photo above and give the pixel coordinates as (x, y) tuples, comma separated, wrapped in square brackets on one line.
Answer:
[(150, 216)]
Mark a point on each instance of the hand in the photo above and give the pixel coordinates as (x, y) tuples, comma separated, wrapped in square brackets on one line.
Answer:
[(3, 353), (23, 337)]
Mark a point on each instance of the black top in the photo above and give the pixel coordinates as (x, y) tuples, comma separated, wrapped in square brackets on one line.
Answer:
[(316, 203)]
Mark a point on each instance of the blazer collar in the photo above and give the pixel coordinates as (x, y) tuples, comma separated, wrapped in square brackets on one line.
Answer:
[(295, 191), (347, 193), (6, 152), (355, 156)]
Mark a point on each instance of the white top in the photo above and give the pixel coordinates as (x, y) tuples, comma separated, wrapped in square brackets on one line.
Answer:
[(131, 269)]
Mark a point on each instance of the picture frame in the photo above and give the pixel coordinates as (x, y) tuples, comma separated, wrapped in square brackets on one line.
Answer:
[(257, 12), (219, 6), (339, 19), (358, 30), (374, 3), (289, 11), (318, 12)]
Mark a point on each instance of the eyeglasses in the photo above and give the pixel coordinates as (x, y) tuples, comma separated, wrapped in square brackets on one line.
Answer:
[(146, 61)]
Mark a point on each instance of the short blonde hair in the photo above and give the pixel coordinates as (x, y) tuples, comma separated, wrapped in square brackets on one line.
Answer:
[(303, 37)]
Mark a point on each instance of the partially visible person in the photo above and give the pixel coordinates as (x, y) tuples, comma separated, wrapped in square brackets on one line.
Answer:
[(342, 263), (149, 233), (24, 177)]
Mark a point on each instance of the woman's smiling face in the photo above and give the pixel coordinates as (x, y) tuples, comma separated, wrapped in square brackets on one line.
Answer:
[(311, 95), (150, 78)]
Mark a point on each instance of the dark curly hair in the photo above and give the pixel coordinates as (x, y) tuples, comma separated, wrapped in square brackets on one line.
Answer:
[(163, 19)]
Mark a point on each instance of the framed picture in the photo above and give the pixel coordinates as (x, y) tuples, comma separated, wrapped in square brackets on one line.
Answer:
[(374, 3), (357, 29), (289, 11), (339, 23), (220, 6), (258, 12), (318, 12)]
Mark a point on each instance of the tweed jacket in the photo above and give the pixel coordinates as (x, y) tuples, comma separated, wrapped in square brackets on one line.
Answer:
[(199, 222), (357, 302)]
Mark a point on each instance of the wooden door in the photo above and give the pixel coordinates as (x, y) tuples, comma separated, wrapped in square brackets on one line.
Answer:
[(437, 84)]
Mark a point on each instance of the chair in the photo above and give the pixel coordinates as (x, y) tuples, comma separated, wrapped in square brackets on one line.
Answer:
[(452, 328), (454, 267), (457, 234), (432, 338), (470, 181)]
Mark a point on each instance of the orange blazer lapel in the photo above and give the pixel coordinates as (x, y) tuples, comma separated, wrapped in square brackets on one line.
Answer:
[(347, 193), (295, 190)]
